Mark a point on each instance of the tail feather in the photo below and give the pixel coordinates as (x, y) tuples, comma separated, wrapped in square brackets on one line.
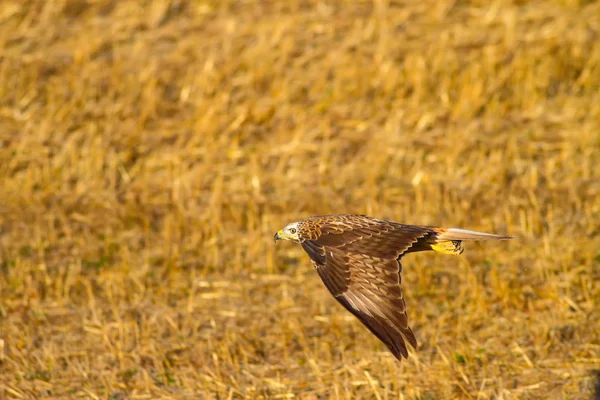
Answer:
[(449, 241), (463, 234)]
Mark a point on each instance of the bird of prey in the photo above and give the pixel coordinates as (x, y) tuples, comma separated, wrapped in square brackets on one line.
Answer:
[(358, 260)]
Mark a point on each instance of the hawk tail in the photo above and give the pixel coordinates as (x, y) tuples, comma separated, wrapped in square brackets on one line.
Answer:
[(463, 234), (449, 241)]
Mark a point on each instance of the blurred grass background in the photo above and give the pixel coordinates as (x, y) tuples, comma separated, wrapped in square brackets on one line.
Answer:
[(150, 149)]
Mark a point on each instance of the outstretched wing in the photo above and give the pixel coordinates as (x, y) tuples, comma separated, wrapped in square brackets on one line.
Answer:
[(358, 259)]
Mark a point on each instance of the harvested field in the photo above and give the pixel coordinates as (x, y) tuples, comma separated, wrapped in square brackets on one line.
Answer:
[(149, 150)]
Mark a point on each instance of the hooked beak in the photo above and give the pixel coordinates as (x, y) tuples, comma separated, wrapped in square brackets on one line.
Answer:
[(277, 236)]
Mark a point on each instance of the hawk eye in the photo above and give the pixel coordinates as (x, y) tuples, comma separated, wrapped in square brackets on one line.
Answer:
[(293, 230)]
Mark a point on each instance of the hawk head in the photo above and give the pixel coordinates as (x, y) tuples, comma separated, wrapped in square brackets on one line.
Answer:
[(289, 232)]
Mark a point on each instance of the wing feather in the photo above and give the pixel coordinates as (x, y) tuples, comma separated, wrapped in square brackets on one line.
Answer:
[(358, 260)]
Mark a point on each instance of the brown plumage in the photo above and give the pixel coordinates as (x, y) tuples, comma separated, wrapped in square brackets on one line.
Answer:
[(358, 259)]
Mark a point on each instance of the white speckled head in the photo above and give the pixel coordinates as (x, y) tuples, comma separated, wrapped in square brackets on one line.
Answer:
[(289, 232)]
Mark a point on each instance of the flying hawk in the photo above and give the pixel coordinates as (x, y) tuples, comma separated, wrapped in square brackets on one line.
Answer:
[(358, 259)]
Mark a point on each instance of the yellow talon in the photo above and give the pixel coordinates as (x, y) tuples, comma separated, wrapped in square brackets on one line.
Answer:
[(448, 247)]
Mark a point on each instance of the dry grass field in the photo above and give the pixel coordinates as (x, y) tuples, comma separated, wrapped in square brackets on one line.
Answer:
[(149, 150)]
